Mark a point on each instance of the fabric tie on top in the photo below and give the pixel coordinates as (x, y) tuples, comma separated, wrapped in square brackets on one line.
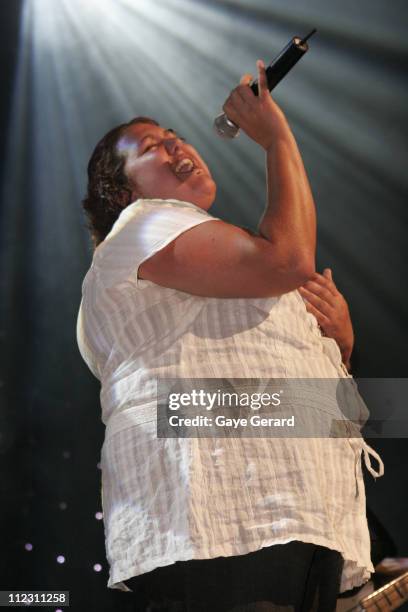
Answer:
[(367, 450)]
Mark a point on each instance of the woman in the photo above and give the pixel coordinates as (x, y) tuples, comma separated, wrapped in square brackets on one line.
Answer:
[(173, 292)]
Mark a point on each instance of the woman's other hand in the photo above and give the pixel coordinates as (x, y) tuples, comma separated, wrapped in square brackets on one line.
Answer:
[(330, 308)]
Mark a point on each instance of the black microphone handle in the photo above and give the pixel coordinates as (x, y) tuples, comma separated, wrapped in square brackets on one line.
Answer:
[(282, 63), (275, 72)]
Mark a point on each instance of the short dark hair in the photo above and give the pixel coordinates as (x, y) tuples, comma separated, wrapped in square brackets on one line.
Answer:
[(109, 190)]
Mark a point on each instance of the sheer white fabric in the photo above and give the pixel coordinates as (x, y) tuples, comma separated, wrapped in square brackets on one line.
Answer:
[(168, 500)]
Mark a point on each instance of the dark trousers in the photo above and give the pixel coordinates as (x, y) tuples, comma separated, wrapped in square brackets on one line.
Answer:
[(293, 577)]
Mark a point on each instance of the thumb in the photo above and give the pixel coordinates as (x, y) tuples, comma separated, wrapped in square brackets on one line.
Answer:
[(246, 79), (327, 273)]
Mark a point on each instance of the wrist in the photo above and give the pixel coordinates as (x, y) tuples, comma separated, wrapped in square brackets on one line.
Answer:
[(278, 131)]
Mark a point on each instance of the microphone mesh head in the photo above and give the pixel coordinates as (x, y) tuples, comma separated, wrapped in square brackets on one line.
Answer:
[(224, 127)]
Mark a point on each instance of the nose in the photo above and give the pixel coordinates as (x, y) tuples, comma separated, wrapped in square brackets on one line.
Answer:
[(172, 145)]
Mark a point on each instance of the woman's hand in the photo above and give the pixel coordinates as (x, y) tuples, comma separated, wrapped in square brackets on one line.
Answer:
[(327, 304), (258, 116)]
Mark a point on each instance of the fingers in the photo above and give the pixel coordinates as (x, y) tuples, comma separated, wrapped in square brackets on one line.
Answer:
[(236, 108), (243, 95), (320, 290), (322, 320), (262, 80), (239, 102), (246, 79), (243, 90), (326, 280), (318, 299), (255, 114)]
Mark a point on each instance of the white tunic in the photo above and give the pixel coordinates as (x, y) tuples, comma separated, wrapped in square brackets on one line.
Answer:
[(166, 500)]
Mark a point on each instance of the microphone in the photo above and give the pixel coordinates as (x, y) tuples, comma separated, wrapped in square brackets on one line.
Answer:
[(275, 72)]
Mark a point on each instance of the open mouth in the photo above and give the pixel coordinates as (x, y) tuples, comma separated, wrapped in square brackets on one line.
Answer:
[(184, 167)]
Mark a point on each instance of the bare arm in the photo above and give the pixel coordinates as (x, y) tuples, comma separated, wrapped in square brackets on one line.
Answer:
[(290, 217), (217, 259), (289, 221)]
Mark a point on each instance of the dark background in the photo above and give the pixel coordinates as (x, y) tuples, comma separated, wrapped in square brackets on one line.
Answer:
[(51, 432)]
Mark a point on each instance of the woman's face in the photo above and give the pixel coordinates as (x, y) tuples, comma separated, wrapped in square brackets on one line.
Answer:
[(162, 166)]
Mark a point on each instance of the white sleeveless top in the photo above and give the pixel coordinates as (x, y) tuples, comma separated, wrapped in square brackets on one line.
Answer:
[(166, 500)]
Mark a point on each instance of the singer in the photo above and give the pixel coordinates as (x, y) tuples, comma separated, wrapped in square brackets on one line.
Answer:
[(226, 524)]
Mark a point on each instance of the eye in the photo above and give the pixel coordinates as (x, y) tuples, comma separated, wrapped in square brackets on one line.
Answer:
[(150, 146)]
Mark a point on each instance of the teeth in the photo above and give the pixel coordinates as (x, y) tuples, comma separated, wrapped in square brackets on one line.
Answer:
[(185, 165)]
